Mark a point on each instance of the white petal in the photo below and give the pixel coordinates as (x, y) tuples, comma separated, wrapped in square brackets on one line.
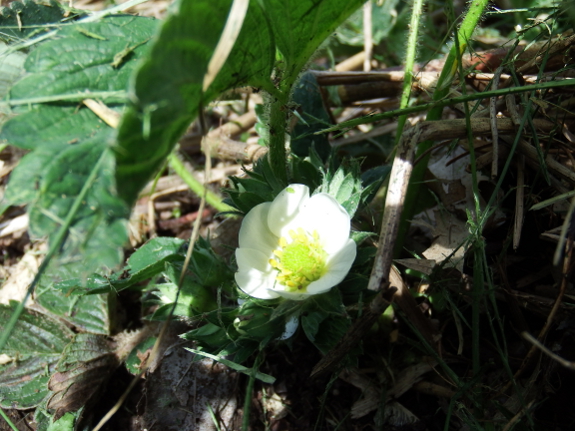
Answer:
[(254, 232), (339, 266), (331, 221), (252, 258), (256, 283), (286, 207), (291, 326)]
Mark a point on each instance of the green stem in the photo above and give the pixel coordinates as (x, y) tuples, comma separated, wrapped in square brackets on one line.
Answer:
[(249, 391), (8, 421), (409, 63), (449, 71), (277, 130), (197, 187), (54, 248)]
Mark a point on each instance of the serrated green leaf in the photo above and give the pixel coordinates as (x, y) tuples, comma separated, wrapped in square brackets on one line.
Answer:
[(84, 367), (65, 423), (23, 19), (168, 86), (88, 312), (51, 127), (150, 259), (99, 227), (330, 331), (300, 26), (35, 351), (67, 142), (11, 69), (76, 62)]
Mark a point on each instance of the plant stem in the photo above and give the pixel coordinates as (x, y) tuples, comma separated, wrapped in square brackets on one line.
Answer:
[(197, 187), (450, 68), (277, 130), (409, 62)]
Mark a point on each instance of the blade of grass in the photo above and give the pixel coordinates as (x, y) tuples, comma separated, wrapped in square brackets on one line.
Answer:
[(8, 421)]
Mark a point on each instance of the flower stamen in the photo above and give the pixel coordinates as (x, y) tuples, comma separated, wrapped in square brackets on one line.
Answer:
[(299, 262)]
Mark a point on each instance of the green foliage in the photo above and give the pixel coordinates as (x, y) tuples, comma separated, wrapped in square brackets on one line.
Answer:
[(67, 141), (383, 18), (25, 19), (34, 354), (169, 98), (88, 313), (300, 26), (313, 117)]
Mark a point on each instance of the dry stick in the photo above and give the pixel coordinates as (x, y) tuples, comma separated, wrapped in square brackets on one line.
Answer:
[(367, 36), (379, 280), (567, 364)]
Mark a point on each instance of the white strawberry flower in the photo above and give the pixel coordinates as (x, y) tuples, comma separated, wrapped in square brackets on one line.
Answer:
[(295, 246)]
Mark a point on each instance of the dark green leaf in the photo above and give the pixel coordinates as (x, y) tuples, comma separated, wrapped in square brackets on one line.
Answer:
[(310, 323), (150, 259), (83, 369), (300, 26), (23, 19), (330, 331), (307, 95), (82, 57), (88, 312), (35, 348), (168, 86), (67, 141)]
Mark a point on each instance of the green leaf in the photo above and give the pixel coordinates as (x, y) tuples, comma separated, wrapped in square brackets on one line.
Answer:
[(312, 110), (78, 61), (344, 184), (65, 423), (68, 141), (330, 331), (24, 19), (168, 86), (88, 313), (83, 369), (310, 323), (150, 259), (383, 18), (11, 69), (34, 352), (99, 227), (135, 359), (300, 26)]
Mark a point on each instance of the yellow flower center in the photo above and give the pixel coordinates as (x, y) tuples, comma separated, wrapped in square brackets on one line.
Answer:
[(300, 262)]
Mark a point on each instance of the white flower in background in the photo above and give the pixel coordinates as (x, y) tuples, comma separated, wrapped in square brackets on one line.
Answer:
[(295, 246)]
